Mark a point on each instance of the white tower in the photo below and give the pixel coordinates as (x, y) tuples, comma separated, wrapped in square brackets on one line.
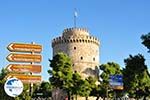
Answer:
[(82, 48)]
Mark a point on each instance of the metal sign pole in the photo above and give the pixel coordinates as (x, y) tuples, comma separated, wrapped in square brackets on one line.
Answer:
[(31, 84)]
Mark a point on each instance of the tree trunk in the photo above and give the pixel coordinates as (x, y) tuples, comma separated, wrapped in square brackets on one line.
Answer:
[(106, 93), (72, 97), (68, 95), (86, 98), (104, 98), (97, 98), (76, 96), (144, 98)]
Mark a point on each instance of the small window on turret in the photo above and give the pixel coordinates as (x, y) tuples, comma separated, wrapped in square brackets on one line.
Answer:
[(93, 59), (81, 58), (74, 48)]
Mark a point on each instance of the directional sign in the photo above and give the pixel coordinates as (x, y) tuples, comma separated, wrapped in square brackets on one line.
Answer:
[(18, 47), (25, 78), (116, 82), (24, 57), (117, 87), (24, 68)]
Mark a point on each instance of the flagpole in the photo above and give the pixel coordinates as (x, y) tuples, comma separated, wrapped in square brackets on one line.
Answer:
[(75, 17), (74, 21)]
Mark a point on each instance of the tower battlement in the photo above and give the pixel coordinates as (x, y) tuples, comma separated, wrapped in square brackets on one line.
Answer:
[(72, 29), (86, 39), (75, 32), (75, 35)]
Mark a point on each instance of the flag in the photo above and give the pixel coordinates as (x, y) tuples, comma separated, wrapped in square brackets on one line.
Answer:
[(75, 13)]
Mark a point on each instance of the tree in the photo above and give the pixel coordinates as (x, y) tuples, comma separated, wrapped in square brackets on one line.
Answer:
[(98, 90), (3, 73), (136, 76), (84, 88), (76, 80), (3, 95), (62, 77), (46, 89), (80, 86), (93, 87), (43, 90), (61, 73), (146, 40), (25, 95), (108, 69)]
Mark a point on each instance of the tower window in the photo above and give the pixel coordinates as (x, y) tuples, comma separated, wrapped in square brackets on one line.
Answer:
[(93, 59), (81, 58), (74, 48)]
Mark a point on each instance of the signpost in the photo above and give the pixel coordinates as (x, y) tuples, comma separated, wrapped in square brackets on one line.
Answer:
[(28, 56), (24, 58), (20, 47), (24, 68), (116, 83), (26, 78)]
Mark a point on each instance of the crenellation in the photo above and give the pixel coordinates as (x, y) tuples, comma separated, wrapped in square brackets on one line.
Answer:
[(89, 39), (74, 40)]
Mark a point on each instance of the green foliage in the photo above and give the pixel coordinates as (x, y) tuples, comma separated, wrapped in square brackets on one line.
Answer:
[(84, 88), (136, 76), (91, 81), (108, 69), (3, 95), (25, 95), (76, 80), (95, 89), (3, 73), (62, 76), (146, 40), (80, 87), (61, 73), (43, 90)]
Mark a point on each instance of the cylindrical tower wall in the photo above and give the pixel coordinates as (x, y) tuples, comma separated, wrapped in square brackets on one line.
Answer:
[(81, 48)]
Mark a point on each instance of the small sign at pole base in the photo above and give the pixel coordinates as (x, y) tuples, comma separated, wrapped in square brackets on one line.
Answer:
[(13, 87)]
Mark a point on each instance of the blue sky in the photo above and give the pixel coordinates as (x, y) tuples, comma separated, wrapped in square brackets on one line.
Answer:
[(118, 24)]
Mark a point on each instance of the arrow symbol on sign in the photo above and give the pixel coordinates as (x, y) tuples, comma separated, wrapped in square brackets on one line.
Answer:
[(9, 57), (9, 67)]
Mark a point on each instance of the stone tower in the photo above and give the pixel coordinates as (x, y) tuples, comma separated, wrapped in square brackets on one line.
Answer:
[(82, 48)]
